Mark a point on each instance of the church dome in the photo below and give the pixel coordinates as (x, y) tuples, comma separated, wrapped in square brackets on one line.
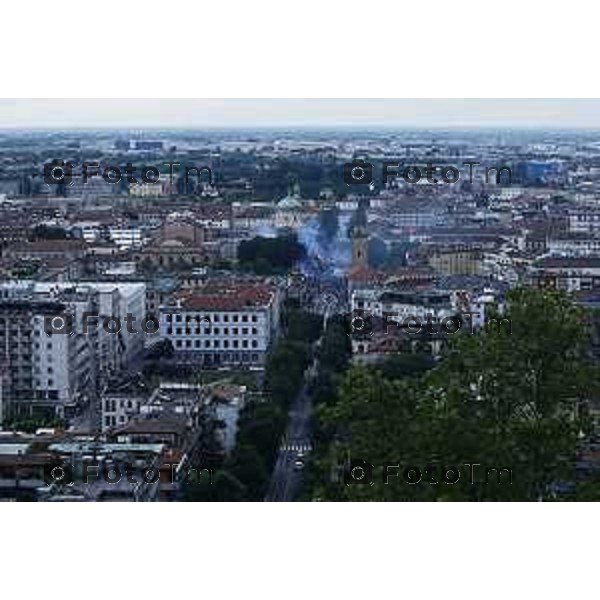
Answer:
[(289, 203)]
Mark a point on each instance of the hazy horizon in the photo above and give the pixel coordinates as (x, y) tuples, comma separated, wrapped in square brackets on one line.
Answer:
[(91, 114)]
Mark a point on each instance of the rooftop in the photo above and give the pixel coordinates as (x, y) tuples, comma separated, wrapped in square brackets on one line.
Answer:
[(566, 262), (228, 296)]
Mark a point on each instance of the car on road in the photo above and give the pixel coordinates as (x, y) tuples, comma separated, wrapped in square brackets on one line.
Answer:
[(298, 465)]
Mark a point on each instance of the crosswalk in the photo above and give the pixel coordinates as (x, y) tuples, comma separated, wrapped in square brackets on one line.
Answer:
[(295, 447)]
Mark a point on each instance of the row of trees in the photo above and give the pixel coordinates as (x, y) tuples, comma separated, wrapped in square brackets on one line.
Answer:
[(496, 400), (31, 424), (244, 474)]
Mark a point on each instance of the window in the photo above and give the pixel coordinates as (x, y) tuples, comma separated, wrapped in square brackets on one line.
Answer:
[(235, 318), (244, 343), (244, 331), (235, 344), (254, 331), (254, 319), (226, 318), (254, 344), (244, 318), (216, 318)]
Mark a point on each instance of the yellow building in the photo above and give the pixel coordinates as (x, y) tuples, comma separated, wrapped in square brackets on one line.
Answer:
[(457, 261)]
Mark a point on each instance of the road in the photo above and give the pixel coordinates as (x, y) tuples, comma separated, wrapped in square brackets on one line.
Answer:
[(287, 477)]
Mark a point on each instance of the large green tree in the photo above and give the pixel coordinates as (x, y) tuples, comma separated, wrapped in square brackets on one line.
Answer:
[(499, 398)]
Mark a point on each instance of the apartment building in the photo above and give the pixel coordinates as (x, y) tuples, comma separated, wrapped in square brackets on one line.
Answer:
[(41, 373), (223, 323), (575, 245), (54, 358), (118, 407), (457, 260), (572, 274), (584, 221), (113, 299), (399, 305)]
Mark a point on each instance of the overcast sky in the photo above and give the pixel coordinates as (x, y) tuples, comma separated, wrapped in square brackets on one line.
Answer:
[(59, 113)]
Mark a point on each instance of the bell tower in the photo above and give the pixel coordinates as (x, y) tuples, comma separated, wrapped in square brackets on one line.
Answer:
[(360, 238)]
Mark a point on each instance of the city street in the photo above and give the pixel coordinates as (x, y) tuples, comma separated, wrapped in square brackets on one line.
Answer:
[(287, 473)]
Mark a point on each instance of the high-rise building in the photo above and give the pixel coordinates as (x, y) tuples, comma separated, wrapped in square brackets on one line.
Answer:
[(55, 357), (41, 373)]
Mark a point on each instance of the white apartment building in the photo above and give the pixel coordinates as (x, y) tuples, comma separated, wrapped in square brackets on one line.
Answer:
[(117, 409), (64, 366), (398, 306), (118, 300), (223, 324), (52, 358), (43, 373), (574, 246), (585, 221), (214, 222), (123, 237)]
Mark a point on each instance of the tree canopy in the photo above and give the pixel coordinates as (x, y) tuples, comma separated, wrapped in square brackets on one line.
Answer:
[(268, 256), (497, 399)]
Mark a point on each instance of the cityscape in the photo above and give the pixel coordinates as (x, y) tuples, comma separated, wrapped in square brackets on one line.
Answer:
[(299, 314)]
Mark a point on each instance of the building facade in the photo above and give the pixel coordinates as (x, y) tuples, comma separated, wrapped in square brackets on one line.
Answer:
[(227, 324)]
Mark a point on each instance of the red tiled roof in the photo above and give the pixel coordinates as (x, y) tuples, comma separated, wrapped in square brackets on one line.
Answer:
[(366, 274), (229, 296)]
